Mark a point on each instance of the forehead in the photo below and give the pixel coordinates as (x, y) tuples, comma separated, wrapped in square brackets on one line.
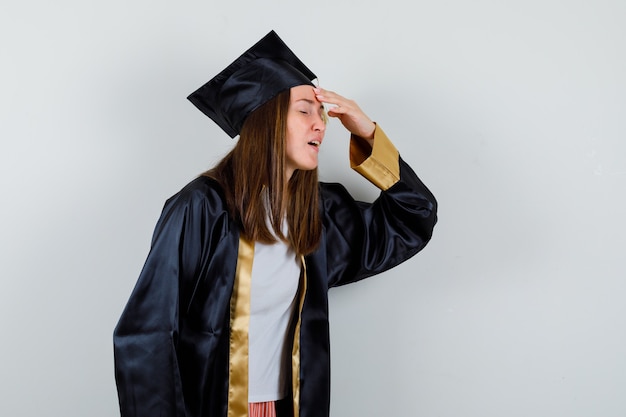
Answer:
[(303, 92)]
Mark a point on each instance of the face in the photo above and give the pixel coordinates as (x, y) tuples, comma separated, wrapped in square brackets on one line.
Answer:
[(305, 129)]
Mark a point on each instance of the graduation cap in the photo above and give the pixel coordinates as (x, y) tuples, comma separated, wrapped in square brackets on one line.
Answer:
[(262, 72)]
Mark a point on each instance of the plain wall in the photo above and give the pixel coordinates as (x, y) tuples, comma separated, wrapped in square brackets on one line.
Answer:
[(512, 112)]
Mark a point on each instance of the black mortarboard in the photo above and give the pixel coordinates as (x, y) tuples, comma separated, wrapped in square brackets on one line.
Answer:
[(266, 69)]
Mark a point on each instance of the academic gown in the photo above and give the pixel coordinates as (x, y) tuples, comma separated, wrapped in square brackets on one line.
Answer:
[(181, 343)]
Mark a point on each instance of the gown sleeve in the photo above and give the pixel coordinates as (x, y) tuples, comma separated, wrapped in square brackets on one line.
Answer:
[(364, 239), (147, 370)]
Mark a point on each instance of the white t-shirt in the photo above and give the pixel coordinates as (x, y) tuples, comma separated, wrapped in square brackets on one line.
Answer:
[(275, 278)]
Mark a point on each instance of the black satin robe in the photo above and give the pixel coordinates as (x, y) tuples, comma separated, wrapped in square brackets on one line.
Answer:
[(172, 341)]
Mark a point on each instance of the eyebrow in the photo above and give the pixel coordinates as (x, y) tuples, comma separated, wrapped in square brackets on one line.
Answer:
[(310, 102)]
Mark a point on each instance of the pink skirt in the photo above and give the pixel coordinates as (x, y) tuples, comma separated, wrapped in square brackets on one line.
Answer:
[(266, 409)]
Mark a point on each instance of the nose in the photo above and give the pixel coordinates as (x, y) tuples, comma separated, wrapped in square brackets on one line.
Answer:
[(320, 124)]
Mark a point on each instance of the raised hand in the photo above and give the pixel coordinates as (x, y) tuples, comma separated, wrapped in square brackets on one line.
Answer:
[(348, 113)]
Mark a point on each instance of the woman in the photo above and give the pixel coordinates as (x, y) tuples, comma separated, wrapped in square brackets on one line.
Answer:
[(229, 316)]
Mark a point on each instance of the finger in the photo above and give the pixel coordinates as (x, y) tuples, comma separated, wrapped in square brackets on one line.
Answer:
[(335, 112), (329, 97), (339, 110)]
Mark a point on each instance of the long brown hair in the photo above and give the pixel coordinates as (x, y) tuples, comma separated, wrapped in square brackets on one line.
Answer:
[(252, 175)]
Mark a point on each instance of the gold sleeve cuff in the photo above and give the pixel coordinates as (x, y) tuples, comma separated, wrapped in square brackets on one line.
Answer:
[(379, 163)]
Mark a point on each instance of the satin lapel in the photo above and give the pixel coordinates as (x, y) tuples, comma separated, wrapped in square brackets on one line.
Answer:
[(239, 321), (295, 353)]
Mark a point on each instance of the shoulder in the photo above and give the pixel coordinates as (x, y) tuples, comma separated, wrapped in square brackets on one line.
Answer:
[(201, 187), (334, 198), (332, 190), (201, 192)]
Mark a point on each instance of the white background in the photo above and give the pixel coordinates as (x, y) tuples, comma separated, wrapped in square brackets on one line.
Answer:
[(512, 112)]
